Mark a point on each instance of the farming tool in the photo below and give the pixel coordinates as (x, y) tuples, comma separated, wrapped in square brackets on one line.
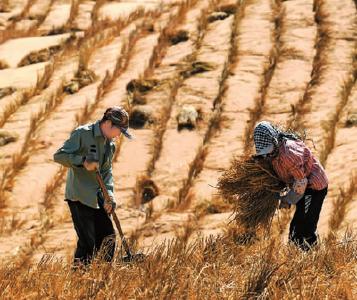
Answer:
[(130, 257)]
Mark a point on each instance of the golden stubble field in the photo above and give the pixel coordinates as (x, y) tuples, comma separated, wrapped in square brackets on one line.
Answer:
[(223, 64)]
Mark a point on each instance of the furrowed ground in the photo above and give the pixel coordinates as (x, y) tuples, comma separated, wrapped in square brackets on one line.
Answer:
[(224, 65)]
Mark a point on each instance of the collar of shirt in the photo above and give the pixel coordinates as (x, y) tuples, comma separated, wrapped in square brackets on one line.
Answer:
[(97, 131)]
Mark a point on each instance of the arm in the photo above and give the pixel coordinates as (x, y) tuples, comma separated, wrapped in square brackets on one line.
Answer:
[(107, 174), (108, 190), (295, 164), (296, 193), (68, 155), (109, 182)]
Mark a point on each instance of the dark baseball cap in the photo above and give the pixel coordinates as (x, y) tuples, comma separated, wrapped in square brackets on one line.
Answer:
[(120, 118)]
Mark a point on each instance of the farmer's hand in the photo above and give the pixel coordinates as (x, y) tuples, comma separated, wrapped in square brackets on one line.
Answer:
[(109, 206), (90, 165)]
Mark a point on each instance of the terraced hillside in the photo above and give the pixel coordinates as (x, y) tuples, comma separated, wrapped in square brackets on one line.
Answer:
[(228, 64)]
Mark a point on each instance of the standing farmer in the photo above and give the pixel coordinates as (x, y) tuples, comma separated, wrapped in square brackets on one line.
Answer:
[(295, 165), (89, 147)]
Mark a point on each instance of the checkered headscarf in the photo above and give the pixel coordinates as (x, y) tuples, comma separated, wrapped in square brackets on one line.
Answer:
[(265, 137)]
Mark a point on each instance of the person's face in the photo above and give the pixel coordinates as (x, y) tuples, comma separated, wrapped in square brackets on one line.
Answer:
[(110, 131)]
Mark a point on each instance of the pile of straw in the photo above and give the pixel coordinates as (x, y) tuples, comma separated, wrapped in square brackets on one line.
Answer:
[(251, 186)]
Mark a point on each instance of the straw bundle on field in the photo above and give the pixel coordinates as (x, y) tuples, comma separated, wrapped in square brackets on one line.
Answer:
[(251, 186)]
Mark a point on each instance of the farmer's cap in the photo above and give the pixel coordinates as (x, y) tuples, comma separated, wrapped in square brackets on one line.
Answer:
[(119, 118), (265, 138)]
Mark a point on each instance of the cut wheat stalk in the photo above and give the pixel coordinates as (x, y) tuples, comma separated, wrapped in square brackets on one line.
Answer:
[(73, 14), (37, 238), (95, 12), (204, 268), (10, 223), (43, 17), (251, 186), (52, 187), (340, 206), (261, 272), (67, 27), (281, 222), (185, 231)]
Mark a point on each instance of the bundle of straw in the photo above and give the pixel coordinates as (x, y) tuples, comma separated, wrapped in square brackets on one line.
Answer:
[(252, 187)]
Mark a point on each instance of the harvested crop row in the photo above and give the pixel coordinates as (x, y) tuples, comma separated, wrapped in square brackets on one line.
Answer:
[(198, 93)]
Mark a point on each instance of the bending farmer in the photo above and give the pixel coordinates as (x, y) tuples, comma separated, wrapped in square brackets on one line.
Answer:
[(89, 147), (295, 165)]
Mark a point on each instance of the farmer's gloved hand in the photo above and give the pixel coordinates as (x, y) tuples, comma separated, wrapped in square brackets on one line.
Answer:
[(291, 197), (90, 165), (109, 206)]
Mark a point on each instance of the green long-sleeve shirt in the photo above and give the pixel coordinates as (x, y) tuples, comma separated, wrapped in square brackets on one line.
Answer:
[(81, 185)]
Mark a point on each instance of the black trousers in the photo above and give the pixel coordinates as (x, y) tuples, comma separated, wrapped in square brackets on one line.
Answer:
[(304, 223), (94, 230)]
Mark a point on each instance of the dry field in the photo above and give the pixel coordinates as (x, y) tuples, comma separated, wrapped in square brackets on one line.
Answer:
[(62, 62)]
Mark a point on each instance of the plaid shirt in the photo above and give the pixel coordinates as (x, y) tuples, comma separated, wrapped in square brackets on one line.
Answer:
[(295, 162)]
